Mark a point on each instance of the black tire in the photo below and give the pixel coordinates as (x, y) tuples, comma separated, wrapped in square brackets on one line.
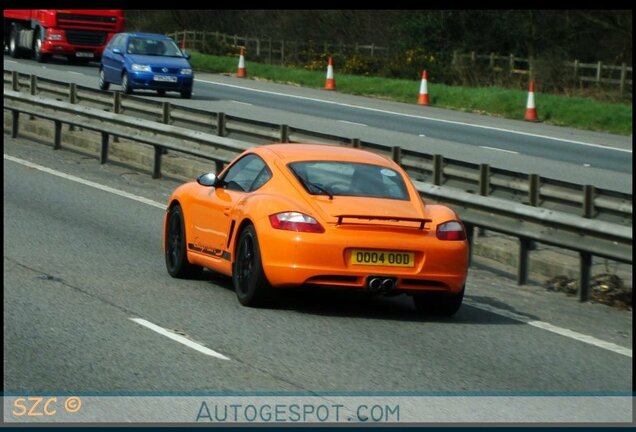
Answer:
[(14, 50), (37, 48), (103, 84), (125, 85), (177, 262), (186, 94), (248, 277), (439, 304), (161, 92)]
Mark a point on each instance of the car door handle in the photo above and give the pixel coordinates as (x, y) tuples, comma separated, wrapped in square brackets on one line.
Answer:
[(226, 212)]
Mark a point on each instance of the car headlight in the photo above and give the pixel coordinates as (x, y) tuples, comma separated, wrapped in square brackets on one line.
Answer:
[(141, 68), (186, 71)]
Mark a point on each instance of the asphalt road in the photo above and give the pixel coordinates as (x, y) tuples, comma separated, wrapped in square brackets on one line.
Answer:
[(81, 262), (584, 157)]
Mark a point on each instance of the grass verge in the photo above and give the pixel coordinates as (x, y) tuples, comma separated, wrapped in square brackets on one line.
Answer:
[(576, 112)]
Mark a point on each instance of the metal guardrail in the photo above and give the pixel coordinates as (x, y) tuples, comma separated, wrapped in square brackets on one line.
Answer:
[(586, 236), (526, 188)]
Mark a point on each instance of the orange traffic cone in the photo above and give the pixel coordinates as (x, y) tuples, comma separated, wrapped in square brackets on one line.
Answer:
[(531, 111), (241, 72), (330, 83), (423, 99)]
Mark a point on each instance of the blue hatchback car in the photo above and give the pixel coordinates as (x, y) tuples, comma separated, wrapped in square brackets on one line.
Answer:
[(146, 61)]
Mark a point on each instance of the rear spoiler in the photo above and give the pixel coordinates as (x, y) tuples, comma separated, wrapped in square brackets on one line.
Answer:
[(421, 221)]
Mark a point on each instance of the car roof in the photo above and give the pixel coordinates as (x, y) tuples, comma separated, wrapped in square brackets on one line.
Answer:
[(149, 35), (299, 151)]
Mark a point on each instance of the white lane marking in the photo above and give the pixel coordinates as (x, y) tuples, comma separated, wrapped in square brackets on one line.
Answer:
[(242, 103), (554, 329), (351, 123), (178, 338), (416, 116), (498, 149), (86, 182), (539, 324), (587, 165), (422, 135), (76, 73)]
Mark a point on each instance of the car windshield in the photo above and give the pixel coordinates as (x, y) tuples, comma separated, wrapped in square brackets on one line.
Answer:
[(334, 178), (154, 47)]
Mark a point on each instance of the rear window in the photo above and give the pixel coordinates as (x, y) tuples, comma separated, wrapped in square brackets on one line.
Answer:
[(349, 179)]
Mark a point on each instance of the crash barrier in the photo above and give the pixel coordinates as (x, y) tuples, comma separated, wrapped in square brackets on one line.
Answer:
[(529, 224), (483, 179)]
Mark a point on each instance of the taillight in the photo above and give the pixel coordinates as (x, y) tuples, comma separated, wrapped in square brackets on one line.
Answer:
[(295, 221), (451, 230)]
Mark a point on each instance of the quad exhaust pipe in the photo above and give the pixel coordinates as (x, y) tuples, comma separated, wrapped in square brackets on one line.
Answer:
[(378, 284)]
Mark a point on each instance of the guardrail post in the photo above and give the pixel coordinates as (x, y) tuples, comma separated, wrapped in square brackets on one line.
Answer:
[(116, 109), (484, 179), (166, 108), (534, 196), (623, 76), (396, 154), (165, 112), (33, 84), (438, 168), (72, 98), (15, 122), (57, 139), (116, 102), (103, 156), (588, 201), (284, 133), (484, 189), (15, 83), (219, 166), (33, 89), (470, 236), (156, 171), (355, 143), (533, 190), (524, 252), (584, 275), (220, 124), (72, 93)]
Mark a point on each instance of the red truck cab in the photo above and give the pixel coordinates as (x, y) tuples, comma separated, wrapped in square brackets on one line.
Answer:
[(78, 34)]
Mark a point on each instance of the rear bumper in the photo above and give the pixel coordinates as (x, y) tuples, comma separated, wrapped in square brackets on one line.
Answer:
[(293, 259)]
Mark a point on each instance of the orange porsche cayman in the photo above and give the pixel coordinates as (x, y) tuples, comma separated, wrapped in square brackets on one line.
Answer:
[(288, 215)]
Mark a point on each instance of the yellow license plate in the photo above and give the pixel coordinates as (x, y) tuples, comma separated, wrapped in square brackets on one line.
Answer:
[(382, 258)]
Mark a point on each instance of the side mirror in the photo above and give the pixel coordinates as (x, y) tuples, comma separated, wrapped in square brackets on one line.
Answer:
[(116, 51), (208, 179), (187, 55)]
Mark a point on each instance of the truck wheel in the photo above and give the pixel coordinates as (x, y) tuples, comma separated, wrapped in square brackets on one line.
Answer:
[(14, 49), (37, 48)]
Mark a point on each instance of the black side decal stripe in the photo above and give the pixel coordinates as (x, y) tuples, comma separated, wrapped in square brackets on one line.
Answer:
[(218, 253)]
